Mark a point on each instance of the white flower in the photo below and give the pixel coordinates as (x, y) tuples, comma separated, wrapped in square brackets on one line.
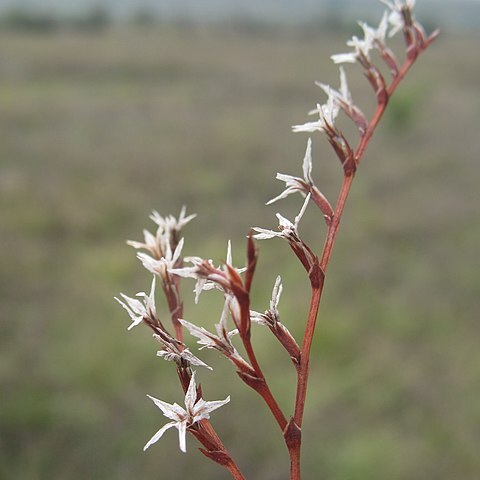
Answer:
[(286, 229), (376, 36), (297, 184), (221, 341), (398, 10), (170, 222), (183, 418), (210, 284), (327, 114), (271, 316), (138, 310), (152, 243), (360, 53), (207, 275), (361, 48), (172, 352), (167, 234), (341, 96), (185, 355), (165, 263)]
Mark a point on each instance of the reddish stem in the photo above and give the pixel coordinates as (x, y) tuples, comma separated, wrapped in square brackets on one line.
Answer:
[(303, 370), (262, 387), (234, 471), (207, 436), (295, 463)]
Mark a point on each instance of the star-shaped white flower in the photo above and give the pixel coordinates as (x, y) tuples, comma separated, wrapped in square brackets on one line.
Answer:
[(286, 229), (398, 10), (376, 36), (297, 184), (163, 265), (343, 99), (182, 418), (361, 51), (341, 96), (325, 123), (166, 236), (175, 351), (271, 316), (138, 310), (170, 223), (153, 243), (221, 341), (207, 275)]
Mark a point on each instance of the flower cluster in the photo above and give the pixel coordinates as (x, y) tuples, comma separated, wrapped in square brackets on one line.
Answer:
[(165, 247), (162, 255)]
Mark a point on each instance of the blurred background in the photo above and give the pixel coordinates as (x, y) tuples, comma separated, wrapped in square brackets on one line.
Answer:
[(111, 109)]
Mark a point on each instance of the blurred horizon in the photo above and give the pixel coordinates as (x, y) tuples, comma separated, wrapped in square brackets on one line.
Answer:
[(451, 14)]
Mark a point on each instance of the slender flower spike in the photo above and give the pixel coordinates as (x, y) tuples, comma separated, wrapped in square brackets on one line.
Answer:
[(183, 418), (137, 310)]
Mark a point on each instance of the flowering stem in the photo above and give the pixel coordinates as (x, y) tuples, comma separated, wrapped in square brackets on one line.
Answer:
[(303, 370)]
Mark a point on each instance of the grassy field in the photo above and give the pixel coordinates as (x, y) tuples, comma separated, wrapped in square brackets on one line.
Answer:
[(97, 130)]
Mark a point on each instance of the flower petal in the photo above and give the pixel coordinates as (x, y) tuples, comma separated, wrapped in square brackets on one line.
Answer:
[(159, 434), (191, 395), (174, 412), (307, 163), (182, 435)]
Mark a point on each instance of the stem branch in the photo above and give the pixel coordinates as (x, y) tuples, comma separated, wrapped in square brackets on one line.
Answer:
[(303, 369)]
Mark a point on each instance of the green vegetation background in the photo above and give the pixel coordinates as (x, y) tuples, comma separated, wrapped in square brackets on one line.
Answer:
[(96, 130)]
